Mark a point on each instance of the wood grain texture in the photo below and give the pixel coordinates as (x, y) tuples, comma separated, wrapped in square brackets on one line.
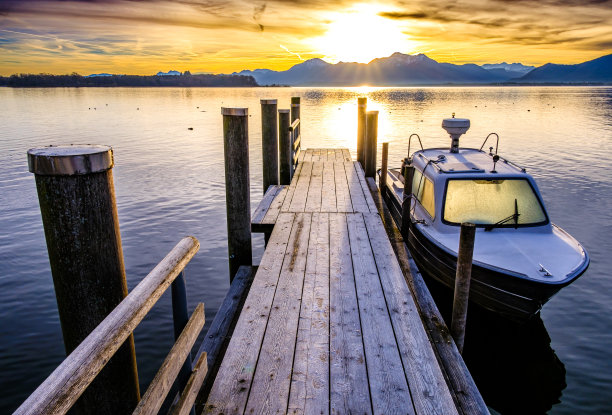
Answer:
[(218, 335), (68, 381), (388, 385), (298, 202), (428, 387), (313, 200), (461, 384), (291, 189), (275, 207), (310, 379), (269, 392), (161, 384), (188, 396), (264, 205), (364, 186), (343, 196), (230, 390), (328, 189), (350, 391), (358, 197)]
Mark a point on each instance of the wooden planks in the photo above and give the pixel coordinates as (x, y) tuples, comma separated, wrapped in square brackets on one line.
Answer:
[(388, 385), (350, 392), (310, 378), (230, 390), (258, 223)]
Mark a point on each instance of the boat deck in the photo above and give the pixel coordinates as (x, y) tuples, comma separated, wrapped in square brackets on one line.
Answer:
[(329, 325)]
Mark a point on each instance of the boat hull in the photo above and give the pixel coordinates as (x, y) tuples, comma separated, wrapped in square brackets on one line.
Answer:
[(493, 289)]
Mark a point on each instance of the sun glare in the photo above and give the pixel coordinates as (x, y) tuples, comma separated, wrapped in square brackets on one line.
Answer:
[(360, 35)]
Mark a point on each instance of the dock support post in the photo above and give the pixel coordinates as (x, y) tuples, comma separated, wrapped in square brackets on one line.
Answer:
[(370, 143), (79, 214), (362, 104), (462, 283), (406, 202), (285, 147), (383, 168), (237, 188), (295, 108), (269, 142)]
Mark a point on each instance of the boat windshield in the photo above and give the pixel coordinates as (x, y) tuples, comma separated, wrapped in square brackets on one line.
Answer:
[(499, 202)]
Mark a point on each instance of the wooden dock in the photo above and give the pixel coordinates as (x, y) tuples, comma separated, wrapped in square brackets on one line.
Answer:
[(329, 324)]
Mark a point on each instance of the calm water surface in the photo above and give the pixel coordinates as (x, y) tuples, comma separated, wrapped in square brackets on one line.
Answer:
[(169, 183)]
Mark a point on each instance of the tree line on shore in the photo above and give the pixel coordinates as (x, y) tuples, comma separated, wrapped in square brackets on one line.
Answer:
[(76, 80)]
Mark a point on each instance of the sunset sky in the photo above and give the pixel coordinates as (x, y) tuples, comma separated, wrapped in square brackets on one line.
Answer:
[(223, 36)]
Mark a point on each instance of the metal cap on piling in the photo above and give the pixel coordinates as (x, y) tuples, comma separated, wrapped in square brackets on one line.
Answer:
[(68, 160), (241, 112), (268, 101)]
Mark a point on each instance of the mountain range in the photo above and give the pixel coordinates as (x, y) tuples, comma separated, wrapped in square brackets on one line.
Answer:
[(402, 70)]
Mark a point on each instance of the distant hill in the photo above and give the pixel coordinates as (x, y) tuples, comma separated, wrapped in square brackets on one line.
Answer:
[(596, 71), (402, 70), (76, 80)]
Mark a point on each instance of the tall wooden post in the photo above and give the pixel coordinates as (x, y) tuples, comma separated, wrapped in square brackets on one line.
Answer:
[(362, 104), (407, 201), (269, 142), (383, 168), (79, 214), (370, 143), (295, 108), (462, 283), (237, 188), (285, 147)]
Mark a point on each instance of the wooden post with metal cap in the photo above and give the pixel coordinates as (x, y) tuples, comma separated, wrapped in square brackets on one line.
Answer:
[(79, 213), (269, 142), (237, 188), (370, 143), (362, 104), (285, 147)]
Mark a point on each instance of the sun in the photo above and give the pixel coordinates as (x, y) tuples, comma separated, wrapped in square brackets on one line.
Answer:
[(360, 34)]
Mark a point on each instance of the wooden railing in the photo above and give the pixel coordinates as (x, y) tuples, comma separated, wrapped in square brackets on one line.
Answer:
[(296, 140), (62, 388)]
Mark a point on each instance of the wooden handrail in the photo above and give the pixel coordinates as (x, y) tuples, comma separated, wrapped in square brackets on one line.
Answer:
[(294, 125), (68, 381)]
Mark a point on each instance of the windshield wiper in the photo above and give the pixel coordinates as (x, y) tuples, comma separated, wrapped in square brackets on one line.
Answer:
[(514, 217)]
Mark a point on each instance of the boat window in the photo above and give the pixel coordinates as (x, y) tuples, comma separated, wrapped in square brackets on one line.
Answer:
[(492, 202), (423, 190)]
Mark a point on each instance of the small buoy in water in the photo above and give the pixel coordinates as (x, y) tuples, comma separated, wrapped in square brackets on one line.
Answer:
[(190, 128), (528, 110), (89, 107), (107, 105), (198, 107), (137, 109)]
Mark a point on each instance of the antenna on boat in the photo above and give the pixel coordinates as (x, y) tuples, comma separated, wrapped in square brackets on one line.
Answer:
[(455, 127)]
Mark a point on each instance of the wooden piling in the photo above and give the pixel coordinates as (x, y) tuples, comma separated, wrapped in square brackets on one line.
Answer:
[(383, 168), (295, 108), (285, 147), (269, 142), (462, 283), (370, 143), (237, 188), (79, 213), (407, 201), (362, 104)]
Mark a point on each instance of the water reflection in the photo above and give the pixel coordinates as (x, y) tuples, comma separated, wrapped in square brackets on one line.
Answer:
[(513, 364)]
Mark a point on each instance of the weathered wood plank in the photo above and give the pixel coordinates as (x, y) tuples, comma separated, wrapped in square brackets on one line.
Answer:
[(310, 379), (257, 220), (188, 397), (388, 384), (428, 387), (298, 202), (343, 197), (270, 389), (358, 198), (218, 335), (364, 186), (347, 154), (291, 189), (313, 200), (461, 384), (68, 381), (275, 207), (167, 373), (230, 390), (328, 190), (349, 392)]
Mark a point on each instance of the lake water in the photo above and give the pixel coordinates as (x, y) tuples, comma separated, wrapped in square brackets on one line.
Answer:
[(169, 183)]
